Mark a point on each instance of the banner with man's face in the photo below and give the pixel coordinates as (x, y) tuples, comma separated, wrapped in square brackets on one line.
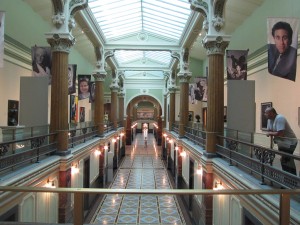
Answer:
[(282, 47)]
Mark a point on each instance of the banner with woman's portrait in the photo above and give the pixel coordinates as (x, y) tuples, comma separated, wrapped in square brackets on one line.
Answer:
[(84, 86)]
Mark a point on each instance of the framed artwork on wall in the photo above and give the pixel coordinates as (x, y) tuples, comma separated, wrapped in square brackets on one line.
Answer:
[(82, 114), (263, 119), (73, 108), (13, 113), (191, 115)]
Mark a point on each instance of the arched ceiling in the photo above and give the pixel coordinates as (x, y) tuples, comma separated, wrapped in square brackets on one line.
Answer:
[(143, 101), (143, 33)]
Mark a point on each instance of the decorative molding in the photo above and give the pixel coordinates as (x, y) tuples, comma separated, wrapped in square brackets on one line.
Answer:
[(60, 42), (215, 44), (199, 6)]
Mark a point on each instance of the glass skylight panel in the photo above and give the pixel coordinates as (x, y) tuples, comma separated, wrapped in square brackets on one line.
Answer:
[(160, 56), (124, 56), (116, 16)]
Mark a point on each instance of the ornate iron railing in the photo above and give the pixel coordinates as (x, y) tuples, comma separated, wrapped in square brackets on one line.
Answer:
[(81, 135), (14, 154), (284, 205), (196, 135), (258, 160), (175, 127)]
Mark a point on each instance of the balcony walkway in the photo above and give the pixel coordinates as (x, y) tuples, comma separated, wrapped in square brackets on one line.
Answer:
[(142, 168)]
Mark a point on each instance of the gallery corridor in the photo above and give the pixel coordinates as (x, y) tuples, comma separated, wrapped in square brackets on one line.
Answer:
[(141, 168)]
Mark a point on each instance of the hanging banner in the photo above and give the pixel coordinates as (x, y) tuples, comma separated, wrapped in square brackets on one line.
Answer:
[(2, 15), (282, 47), (41, 62), (236, 64), (84, 86)]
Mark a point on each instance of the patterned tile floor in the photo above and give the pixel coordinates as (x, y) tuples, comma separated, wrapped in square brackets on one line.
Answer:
[(142, 168)]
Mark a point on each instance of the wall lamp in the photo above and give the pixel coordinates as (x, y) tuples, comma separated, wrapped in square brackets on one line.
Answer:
[(218, 185), (183, 154), (97, 152), (74, 169), (199, 170), (50, 184)]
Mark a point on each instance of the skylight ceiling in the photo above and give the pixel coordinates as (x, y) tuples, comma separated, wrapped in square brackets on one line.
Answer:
[(120, 18), (159, 57)]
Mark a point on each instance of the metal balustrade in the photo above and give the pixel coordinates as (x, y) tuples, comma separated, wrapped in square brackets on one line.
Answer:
[(78, 210), (17, 153), (259, 161)]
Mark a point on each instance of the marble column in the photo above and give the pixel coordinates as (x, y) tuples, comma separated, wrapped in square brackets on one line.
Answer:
[(215, 42), (215, 97), (114, 87), (121, 96), (61, 40), (184, 76), (99, 102)]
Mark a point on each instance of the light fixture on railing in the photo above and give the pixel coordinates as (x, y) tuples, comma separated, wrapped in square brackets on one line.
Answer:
[(50, 184), (183, 154), (97, 152), (122, 134), (218, 185), (105, 147), (74, 169), (176, 148), (199, 170), (165, 135), (113, 140), (170, 140)]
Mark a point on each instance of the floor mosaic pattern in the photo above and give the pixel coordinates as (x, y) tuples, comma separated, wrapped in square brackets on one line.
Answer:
[(142, 168)]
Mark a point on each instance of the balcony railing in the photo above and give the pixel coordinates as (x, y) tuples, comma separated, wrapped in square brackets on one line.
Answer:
[(81, 134), (261, 162), (283, 203), (17, 153), (196, 135)]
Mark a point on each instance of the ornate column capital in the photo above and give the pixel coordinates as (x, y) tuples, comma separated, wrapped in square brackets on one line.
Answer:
[(213, 12), (60, 42), (114, 87), (121, 93), (60, 38), (172, 85), (184, 74), (216, 44), (99, 76)]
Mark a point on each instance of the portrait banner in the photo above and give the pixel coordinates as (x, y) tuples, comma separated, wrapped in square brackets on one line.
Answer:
[(73, 109), (41, 62), (84, 86), (192, 93), (282, 47), (72, 78), (92, 91), (201, 88), (2, 16), (236, 64)]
